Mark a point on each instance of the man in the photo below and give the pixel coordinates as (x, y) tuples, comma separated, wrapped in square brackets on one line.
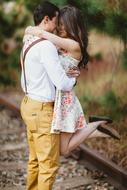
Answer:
[(41, 73)]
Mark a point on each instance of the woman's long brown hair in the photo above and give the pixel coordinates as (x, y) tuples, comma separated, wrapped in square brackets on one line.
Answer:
[(74, 24)]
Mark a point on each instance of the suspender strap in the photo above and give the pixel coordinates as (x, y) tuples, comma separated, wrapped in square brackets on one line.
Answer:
[(23, 56)]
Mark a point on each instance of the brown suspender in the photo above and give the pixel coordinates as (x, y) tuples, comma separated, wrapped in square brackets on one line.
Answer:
[(23, 60)]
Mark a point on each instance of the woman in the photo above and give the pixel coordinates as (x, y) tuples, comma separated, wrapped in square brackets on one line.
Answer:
[(68, 117)]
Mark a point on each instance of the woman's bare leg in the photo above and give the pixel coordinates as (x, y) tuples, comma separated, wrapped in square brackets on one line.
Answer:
[(97, 133), (69, 141)]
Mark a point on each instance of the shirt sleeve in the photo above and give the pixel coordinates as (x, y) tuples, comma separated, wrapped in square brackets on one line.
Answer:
[(53, 67)]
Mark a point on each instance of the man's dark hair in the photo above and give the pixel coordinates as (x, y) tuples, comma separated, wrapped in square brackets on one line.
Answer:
[(44, 9)]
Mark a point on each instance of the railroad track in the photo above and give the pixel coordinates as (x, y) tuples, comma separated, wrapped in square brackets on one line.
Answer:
[(90, 158)]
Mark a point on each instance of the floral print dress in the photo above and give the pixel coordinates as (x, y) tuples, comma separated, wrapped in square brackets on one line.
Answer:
[(68, 115)]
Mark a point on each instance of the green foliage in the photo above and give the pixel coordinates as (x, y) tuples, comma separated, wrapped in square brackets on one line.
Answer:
[(108, 104), (98, 56), (14, 17), (116, 25), (113, 105), (110, 100), (106, 16), (92, 10), (109, 16), (59, 3), (31, 5)]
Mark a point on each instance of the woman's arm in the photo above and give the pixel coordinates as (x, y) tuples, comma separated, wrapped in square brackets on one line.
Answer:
[(64, 43)]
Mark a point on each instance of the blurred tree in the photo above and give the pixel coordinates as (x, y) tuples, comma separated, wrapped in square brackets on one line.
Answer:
[(108, 16), (116, 22), (13, 17)]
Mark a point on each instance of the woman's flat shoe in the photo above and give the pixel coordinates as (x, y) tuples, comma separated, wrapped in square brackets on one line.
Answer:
[(94, 118), (109, 131)]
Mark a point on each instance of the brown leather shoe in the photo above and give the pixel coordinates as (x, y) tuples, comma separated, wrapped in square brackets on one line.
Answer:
[(109, 131)]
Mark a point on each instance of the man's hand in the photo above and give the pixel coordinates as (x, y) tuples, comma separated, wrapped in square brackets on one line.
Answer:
[(73, 72)]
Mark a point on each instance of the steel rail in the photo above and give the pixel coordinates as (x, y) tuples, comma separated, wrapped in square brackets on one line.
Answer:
[(93, 160)]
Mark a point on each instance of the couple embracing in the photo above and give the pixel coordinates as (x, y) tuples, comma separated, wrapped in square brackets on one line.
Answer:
[(53, 51)]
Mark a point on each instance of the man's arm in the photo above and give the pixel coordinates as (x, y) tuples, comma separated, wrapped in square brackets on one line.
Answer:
[(51, 62), (64, 43)]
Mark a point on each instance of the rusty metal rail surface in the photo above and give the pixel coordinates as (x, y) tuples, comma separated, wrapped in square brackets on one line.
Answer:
[(90, 158), (7, 102), (93, 160)]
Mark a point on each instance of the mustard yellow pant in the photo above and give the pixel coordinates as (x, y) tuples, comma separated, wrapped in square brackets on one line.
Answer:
[(43, 146)]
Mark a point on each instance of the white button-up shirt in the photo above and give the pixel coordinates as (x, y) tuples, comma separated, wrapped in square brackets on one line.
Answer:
[(44, 72)]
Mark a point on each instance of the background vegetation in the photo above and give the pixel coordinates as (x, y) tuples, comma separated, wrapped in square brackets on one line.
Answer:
[(106, 16)]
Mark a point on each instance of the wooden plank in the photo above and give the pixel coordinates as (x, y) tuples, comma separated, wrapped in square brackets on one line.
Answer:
[(12, 147), (14, 188), (64, 185), (73, 183), (12, 166)]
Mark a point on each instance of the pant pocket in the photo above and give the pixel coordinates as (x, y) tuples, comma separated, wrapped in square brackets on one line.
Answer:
[(45, 121), (32, 122)]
